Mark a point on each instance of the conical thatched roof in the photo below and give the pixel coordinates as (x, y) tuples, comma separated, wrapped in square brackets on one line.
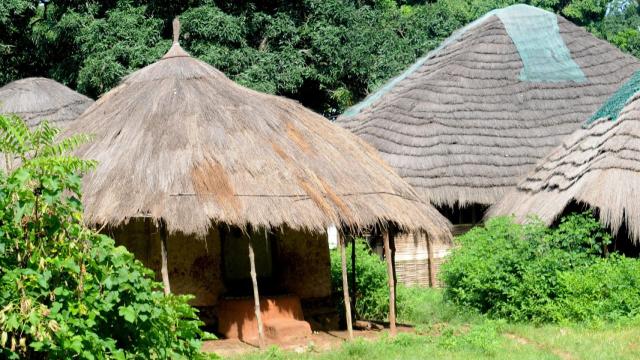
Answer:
[(179, 141), (36, 99), (598, 166), (471, 117)]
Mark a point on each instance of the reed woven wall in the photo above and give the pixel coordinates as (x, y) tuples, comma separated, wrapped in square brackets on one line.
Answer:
[(412, 258)]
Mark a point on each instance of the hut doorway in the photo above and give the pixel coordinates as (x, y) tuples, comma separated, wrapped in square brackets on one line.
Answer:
[(464, 217), (235, 261)]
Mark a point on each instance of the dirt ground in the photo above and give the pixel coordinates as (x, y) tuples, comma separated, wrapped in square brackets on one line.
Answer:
[(319, 340)]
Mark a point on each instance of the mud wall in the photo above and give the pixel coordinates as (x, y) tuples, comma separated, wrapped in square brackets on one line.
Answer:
[(194, 263), (301, 261), (304, 264)]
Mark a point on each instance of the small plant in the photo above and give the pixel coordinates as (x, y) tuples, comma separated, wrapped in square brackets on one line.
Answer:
[(357, 348), (66, 291), (274, 353), (418, 305)]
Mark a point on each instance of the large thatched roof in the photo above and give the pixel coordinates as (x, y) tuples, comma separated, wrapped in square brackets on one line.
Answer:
[(598, 166), (36, 99), (471, 117), (179, 141)]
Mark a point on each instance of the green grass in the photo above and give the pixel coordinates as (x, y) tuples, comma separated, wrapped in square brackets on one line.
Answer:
[(446, 332), (409, 346), (604, 341)]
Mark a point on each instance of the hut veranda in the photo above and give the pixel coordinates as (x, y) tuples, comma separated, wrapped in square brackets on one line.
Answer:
[(597, 167), (36, 99), (471, 117), (220, 188)]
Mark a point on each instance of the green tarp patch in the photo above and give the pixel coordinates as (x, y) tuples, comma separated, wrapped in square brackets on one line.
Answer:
[(536, 35), (612, 107), (534, 32)]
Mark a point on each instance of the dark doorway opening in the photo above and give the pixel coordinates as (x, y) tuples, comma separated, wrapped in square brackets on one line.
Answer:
[(463, 217), (235, 261)]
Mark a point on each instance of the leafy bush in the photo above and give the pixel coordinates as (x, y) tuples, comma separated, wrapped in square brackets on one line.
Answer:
[(420, 306), (414, 304), (372, 292), (608, 289), (527, 272), (65, 290)]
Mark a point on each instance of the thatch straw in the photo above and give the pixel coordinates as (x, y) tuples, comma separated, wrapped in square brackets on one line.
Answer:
[(178, 141), (463, 128), (598, 166), (37, 99)]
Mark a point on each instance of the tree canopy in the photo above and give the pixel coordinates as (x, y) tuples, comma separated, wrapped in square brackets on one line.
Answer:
[(327, 54)]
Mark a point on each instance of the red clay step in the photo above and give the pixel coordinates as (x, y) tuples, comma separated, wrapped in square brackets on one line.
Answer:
[(283, 329)]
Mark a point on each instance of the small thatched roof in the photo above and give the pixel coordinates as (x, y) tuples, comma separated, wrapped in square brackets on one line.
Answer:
[(465, 122), (178, 141), (597, 166), (36, 99)]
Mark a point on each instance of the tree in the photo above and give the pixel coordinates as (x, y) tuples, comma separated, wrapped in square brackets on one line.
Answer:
[(621, 25), (327, 54), (15, 42), (65, 290)]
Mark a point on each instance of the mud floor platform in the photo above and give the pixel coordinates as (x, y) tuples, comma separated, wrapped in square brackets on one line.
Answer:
[(318, 341)]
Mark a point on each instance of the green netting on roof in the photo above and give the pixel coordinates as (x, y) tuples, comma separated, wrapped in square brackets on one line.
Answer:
[(536, 35), (612, 107)]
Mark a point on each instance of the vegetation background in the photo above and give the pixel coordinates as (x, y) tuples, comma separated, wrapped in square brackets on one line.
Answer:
[(327, 54), (66, 291)]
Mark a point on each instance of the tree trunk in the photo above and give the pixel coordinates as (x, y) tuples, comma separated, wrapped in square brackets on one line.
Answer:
[(163, 252), (392, 287), (345, 286), (256, 295)]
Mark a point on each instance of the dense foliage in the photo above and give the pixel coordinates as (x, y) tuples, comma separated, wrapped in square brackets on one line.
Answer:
[(534, 273), (372, 289), (327, 54), (607, 289), (66, 291)]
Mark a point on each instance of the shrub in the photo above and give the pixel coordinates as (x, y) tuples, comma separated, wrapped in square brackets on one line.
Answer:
[(65, 290), (418, 305), (524, 272), (414, 304), (608, 289), (372, 292)]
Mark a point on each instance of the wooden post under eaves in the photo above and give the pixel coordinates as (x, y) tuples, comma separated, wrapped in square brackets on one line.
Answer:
[(432, 265), (354, 284), (345, 285), (164, 270), (392, 287), (256, 295)]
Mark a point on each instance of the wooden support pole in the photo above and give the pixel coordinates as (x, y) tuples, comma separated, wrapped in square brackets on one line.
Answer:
[(392, 246), (163, 253), (256, 295), (392, 286), (432, 265), (354, 284), (345, 286)]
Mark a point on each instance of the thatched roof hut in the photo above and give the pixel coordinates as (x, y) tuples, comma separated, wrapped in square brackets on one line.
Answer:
[(179, 142), (466, 121), (597, 166), (36, 99)]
